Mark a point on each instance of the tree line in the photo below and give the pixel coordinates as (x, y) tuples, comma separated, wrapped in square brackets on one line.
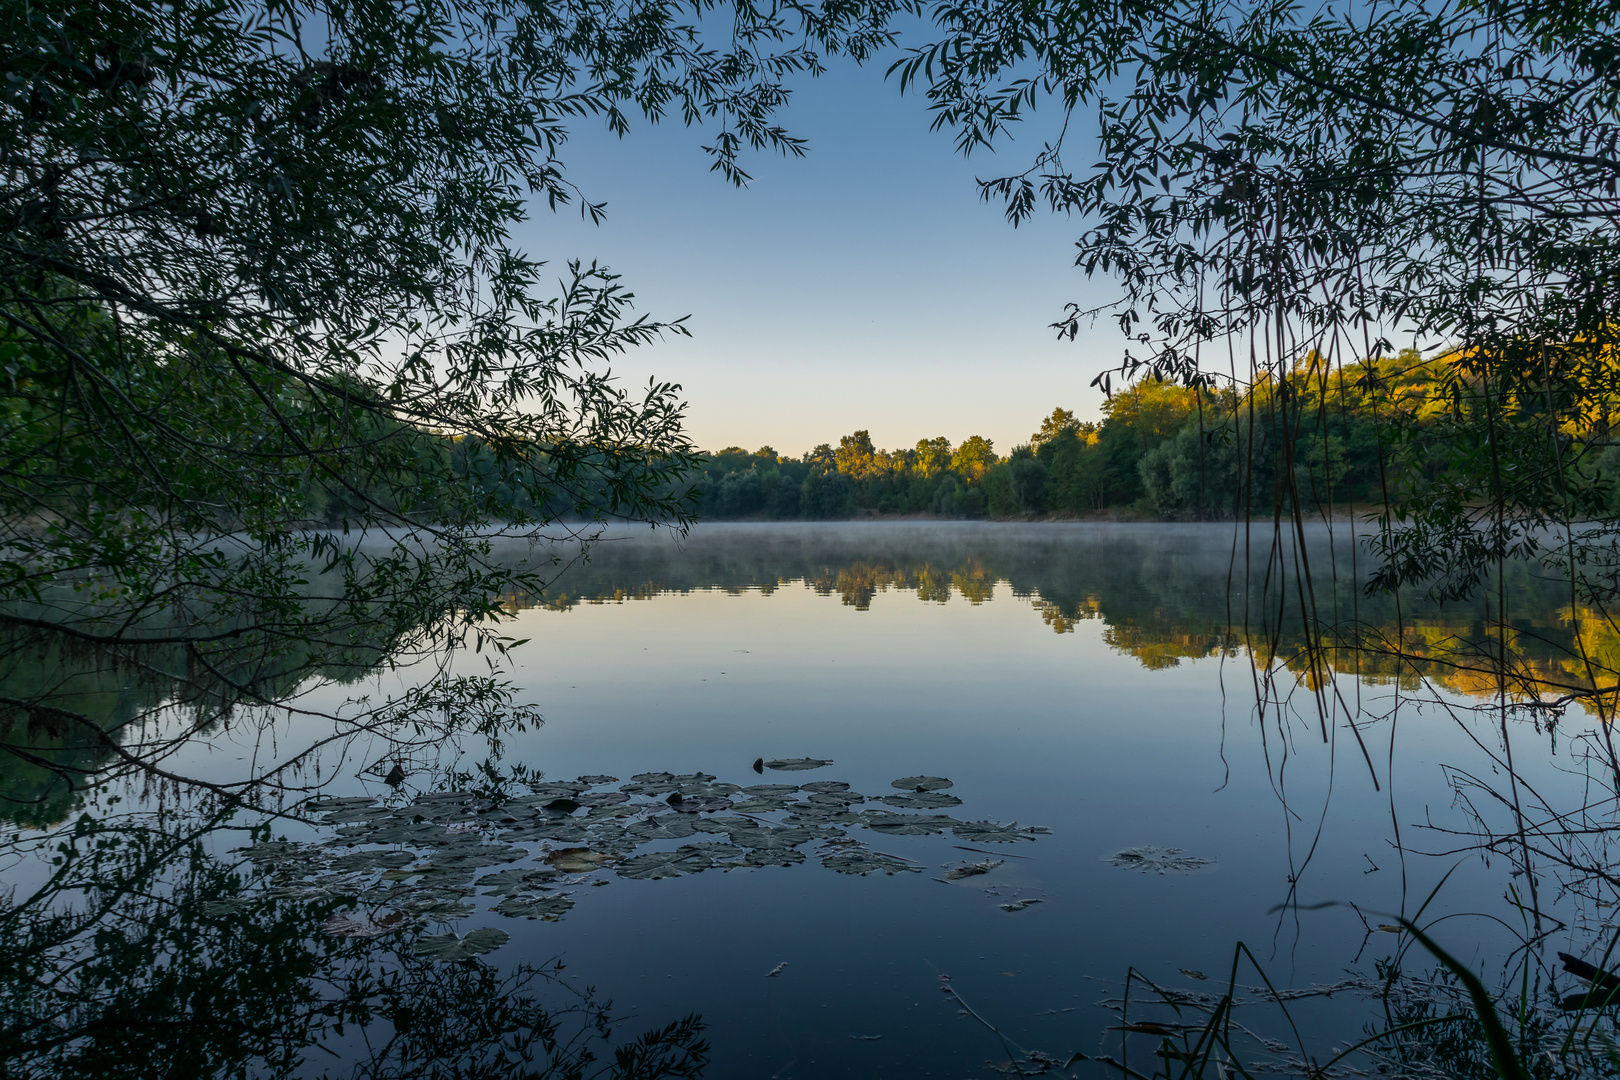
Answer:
[(1300, 440)]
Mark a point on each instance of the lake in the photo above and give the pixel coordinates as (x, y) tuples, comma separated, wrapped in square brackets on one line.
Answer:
[(887, 799)]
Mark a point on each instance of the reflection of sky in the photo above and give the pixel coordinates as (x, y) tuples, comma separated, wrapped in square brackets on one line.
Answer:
[(1032, 726), (863, 286), (1059, 730)]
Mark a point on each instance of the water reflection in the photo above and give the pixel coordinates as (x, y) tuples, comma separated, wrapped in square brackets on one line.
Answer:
[(234, 926), (142, 951), (89, 697), (1162, 594)]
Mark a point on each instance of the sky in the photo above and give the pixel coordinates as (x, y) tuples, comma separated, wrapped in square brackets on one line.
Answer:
[(862, 286)]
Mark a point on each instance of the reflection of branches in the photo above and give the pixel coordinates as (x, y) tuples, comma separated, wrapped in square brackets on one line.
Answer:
[(74, 713), (140, 946)]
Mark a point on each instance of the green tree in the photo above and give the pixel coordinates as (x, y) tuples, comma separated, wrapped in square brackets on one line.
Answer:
[(1271, 183), (973, 458), (933, 456), (256, 274), (856, 456), (1061, 422), (826, 495)]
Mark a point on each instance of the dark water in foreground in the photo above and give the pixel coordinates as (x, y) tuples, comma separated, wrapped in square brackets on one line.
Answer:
[(1091, 682)]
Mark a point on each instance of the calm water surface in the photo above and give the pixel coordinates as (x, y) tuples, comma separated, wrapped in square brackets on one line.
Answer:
[(1082, 679)]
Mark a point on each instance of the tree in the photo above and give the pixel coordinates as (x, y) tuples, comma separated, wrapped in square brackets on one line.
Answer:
[(933, 455), (826, 495), (1272, 184), (256, 273), (1061, 421), (973, 457), (855, 455)]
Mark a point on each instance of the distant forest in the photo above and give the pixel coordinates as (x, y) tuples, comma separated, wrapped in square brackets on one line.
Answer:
[(1161, 450)]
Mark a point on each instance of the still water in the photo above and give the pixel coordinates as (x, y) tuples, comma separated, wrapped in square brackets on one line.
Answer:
[(1078, 703)]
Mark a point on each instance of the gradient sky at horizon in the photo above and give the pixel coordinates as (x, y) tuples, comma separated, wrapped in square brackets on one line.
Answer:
[(861, 286)]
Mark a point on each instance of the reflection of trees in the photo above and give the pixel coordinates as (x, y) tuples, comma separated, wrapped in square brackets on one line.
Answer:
[(143, 947), (1162, 596), (95, 703)]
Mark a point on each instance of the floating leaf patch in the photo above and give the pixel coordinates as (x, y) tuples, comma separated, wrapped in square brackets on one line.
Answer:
[(1020, 905), (994, 832), (426, 859), (449, 947), (908, 824), (549, 908), (967, 870), (774, 857), (866, 862), (921, 783), (1156, 860), (669, 827), (760, 805), (923, 800), (366, 926), (602, 798), (662, 864)]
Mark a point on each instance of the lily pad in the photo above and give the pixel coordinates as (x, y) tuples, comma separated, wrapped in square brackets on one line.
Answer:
[(820, 817), (662, 864), (866, 862), (513, 882), (228, 906), (772, 790), (549, 908), (595, 779), (824, 786), (356, 814), (701, 806), (774, 857), (710, 851), (275, 851), (773, 839), (760, 805), (973, 869), (369, 860), (923, 800), (909, 824), (670, 827), (448, 947), (835, 798), (321, 806), (567, 833), (374, 924), (993, 832), (602, 798), (1020, 905), (649, 784), (471, 856), (728, 825), (558, 789), (797, 764), (921, 783), (1156, 860)]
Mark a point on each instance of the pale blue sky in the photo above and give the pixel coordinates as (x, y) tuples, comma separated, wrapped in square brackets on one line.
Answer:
[(863, 286)]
